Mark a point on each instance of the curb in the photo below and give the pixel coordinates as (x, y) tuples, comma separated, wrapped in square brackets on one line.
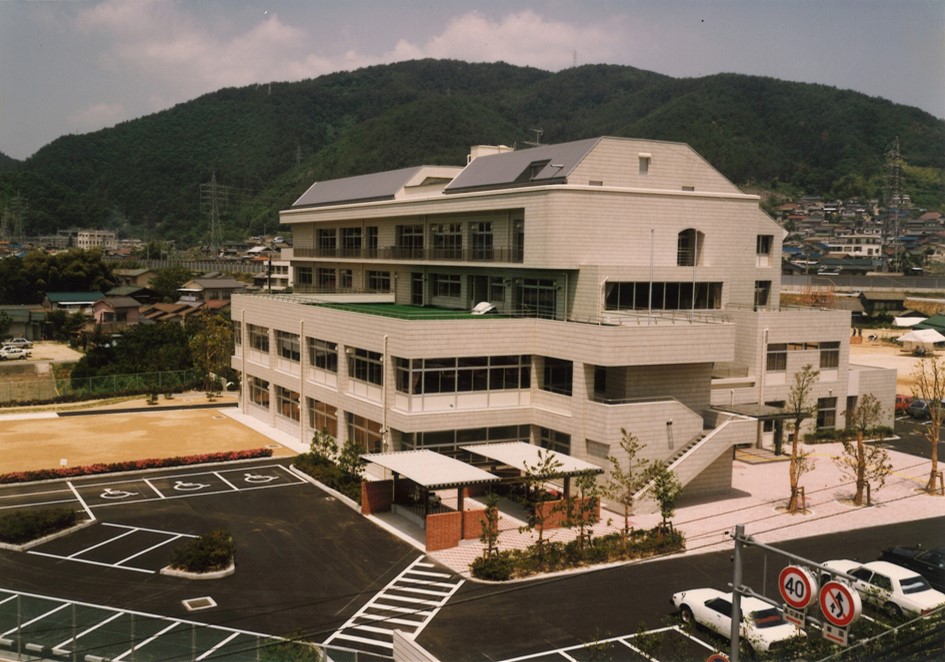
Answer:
[(36, 542), (168, 571)]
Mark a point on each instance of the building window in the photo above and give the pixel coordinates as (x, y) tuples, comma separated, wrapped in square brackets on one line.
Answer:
[(447, 240), (327, 241), (597, 450), (689, 247), (237, 333), (365, 433), (764, 243), (378, 281), (777, 357), (323, 354), (538, 298), (287, 403), (830, 354), (556, 376), (496, 289), (259, 392), (480, 237), (644, 164), (322, 417), (304, 276), (450, 441), (826, 413), (351, 242), (345, 279), (461, 375), (662, 296), (554, 440), (447, 285), (410, 241), (258, 338), (370, 241), (287, 345), (326, 280), (762, 293), (366, 366)]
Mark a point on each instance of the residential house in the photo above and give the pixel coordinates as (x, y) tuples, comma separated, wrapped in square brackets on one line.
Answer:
[(115, 313), (209, 287), (880, 302), (555, 295), (137, 277), (71, 302), (26, 321)]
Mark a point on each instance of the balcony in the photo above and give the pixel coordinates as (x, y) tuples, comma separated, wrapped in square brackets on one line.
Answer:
[(396, 253)]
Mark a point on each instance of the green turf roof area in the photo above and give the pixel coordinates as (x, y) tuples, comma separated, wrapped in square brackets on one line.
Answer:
[(403, 311)]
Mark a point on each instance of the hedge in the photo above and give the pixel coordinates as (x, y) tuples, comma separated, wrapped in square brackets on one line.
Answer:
[(208, 553), (131, 465), (22, 527)]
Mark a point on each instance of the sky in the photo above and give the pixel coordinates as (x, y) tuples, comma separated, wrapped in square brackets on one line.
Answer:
[(75, 66)]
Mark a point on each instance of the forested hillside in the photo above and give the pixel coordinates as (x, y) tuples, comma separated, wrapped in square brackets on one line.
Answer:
[(268, 143)]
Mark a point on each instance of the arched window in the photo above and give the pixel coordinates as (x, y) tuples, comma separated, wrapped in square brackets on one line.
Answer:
[(689, 247)]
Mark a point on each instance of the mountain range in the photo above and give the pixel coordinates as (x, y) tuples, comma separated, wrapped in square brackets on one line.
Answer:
[(255, 149)]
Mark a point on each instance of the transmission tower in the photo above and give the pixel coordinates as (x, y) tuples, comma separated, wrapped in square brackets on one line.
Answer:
[(892, 200), (214, 200), (11, 223)]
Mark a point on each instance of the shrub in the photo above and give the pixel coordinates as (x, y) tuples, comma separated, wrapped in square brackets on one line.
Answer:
[(21, 527), (209, 553), (327, 472), (498, 567)]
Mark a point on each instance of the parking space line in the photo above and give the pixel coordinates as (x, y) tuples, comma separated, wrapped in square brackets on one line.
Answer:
[(149, 549), (64, 651), (77, 560), (219, 646), (220, 476), (41, 503), (104, 542), (38, 618), (146, 641), (142, 528), (78, 496), (156, 490)]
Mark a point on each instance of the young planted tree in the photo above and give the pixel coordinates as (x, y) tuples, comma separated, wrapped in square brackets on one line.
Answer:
[(666, 491), (627, 477), (798, 405), (536, 476), (490, 526), (865, 464), (929, 379), (582, 509)]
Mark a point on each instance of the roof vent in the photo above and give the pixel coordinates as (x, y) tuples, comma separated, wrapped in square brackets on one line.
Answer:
[(482, 308)]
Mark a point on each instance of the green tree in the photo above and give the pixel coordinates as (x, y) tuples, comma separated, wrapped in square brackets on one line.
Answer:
[(5, 323), (168, 280), (628, 475), (210, 339), (582, 509), (546, 467), (666, 490), (800, 408), (865, 464), (490, 526)]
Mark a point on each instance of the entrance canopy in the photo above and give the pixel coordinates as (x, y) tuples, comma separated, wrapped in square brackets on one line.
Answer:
[(518, 454), (430, 469)]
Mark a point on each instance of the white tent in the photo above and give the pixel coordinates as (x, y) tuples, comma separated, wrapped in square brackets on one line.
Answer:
[(924, 338), (907, 321)]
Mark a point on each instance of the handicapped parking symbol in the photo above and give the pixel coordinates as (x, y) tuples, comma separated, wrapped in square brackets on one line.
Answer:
[(109, 493), (258, 478), (182, 486)]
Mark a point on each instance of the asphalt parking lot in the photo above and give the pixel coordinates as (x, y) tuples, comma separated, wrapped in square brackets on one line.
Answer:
[(306, 564)]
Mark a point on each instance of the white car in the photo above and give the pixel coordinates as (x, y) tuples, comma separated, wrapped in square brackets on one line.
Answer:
[(11, 352), (896, 590), (763, 626)]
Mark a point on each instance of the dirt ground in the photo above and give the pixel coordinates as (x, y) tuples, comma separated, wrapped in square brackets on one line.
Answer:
[(883, 354)]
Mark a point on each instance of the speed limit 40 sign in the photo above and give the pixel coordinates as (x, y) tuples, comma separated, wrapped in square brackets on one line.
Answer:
[(798, 586)]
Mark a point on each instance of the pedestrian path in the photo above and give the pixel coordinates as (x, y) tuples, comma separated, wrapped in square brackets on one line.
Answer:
[(407, 603)]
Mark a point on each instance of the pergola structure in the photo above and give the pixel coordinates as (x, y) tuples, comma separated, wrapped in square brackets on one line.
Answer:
[(431, 471), (520, 456)]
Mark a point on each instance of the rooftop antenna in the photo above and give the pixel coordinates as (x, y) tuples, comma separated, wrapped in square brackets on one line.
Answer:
[(537, 142)]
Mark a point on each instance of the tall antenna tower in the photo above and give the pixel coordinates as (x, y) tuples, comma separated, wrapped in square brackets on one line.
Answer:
[(892, 200), (11, 222), (214, 200)]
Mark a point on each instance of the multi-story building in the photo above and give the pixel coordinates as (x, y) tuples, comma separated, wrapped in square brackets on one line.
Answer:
[(555, 295), (107, 240)]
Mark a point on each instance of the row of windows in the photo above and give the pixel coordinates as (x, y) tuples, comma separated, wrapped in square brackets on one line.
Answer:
[(259, 392), (329, 280), (287, 403), (662, 296), (777, 354), (452, 375)]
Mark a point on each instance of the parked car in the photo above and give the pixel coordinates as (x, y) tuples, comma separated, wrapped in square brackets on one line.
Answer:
[(930, 563), (763, 626), (9, 352), (896, 590), (19, 342), (902, 403), (918, 408)]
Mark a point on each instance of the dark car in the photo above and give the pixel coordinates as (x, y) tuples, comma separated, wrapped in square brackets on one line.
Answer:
[(930, 563), (918, 409)]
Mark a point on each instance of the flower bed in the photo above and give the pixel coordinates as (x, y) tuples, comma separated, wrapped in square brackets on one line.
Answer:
[(131, 465), (21, 527)]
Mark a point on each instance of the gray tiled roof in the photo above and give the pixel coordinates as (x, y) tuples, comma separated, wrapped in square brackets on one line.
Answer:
[(361, 188), (515, 168)]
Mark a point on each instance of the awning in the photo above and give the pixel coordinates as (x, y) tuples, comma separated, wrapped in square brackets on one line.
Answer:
[(431, 470), (518, 454)]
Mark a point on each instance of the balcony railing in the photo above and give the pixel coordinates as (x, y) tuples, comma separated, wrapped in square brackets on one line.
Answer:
[(512, 255)]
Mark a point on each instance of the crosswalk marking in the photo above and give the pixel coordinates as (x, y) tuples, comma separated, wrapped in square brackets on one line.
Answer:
[(367, 626)]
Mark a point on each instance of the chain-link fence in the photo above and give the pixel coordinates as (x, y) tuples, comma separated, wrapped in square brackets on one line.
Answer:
[(50, 388)]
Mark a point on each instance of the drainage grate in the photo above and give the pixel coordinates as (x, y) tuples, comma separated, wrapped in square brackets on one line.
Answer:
[(196, 604)]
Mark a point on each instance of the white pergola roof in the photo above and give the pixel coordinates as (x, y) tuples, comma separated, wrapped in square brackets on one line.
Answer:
[(431, 470), (517, 454)]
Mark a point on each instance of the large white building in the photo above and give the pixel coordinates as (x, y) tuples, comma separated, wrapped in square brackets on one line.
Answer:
[(554, 295)]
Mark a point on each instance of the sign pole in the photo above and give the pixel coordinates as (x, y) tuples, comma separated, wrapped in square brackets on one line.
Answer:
[(736, 595)]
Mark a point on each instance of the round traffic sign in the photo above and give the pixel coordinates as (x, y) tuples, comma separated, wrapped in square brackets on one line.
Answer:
[(798, 586), (839, 603)]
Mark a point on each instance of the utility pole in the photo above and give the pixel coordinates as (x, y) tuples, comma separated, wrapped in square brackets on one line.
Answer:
[(214, 199)]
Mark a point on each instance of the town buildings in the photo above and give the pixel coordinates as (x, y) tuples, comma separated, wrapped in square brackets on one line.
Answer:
[(555, 295)]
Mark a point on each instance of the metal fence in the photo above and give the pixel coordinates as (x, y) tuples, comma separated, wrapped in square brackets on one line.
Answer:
[(52, 388)]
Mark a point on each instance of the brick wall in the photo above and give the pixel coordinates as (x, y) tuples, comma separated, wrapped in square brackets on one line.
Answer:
[(555, 513), (472, 523), (443, 530), (375, 496)]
